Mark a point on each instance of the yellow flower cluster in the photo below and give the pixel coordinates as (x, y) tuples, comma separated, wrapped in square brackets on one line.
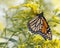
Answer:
[(37, 38), (51, 44), (34, 7), (46, 44), (57, 42)]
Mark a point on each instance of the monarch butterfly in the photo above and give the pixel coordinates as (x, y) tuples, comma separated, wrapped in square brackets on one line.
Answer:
[(40, 26)]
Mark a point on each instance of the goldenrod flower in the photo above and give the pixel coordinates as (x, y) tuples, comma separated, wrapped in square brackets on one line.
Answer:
[(47, 41), (58, 43), (37, 38), (34, 7), (44, 46)]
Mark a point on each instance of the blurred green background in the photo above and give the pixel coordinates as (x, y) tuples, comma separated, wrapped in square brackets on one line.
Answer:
[(15, 14)]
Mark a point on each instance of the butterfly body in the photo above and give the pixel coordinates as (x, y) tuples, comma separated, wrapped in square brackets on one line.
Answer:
[(39, 25)]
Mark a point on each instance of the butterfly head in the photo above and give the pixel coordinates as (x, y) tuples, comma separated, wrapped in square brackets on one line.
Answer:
[(41, 14)]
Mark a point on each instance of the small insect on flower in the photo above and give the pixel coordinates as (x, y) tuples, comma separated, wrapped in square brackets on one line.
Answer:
[(40, 26)]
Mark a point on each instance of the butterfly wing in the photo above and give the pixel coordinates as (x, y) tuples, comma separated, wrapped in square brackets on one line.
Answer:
[(46, 31), (33, 24), (40, 26)]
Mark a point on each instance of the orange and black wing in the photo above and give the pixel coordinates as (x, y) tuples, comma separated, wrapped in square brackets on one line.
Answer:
[(40, 26)]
